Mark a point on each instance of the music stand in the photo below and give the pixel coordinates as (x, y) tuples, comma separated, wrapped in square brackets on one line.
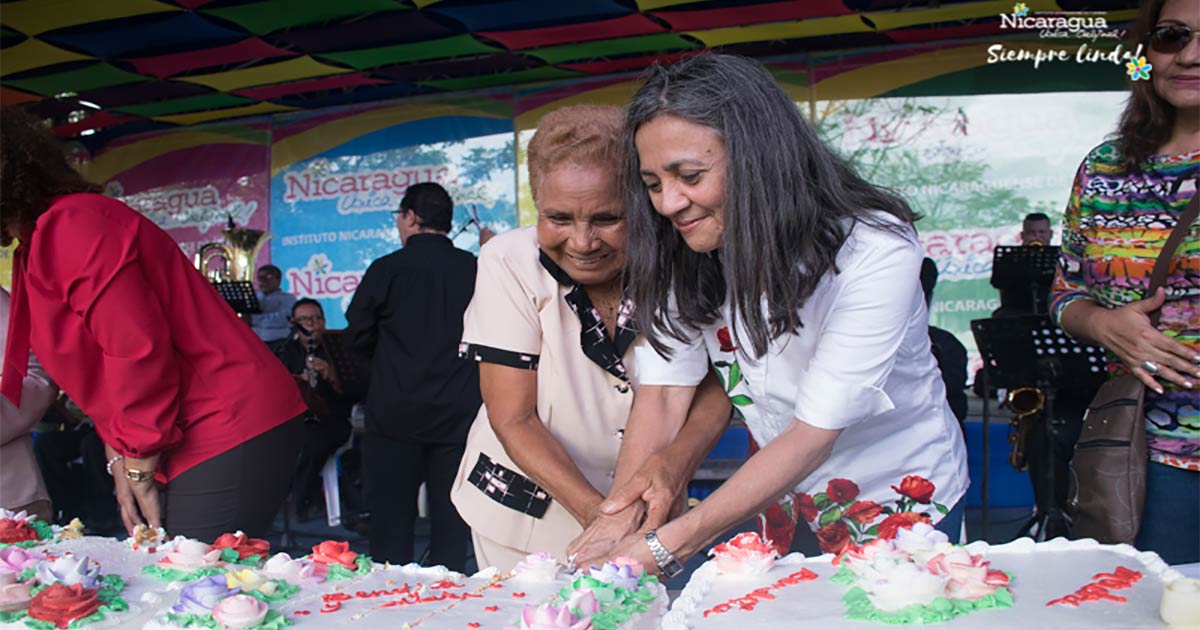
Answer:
[(240, 295), (1018, 351), (1028, 268)]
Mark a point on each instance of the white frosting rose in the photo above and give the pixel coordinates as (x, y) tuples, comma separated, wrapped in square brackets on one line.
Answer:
[(895, 586), (537, 567), (283, 567), (922, 541), (188, 554)]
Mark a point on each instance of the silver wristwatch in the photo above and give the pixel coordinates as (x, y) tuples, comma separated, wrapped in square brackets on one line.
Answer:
[(667, 562)]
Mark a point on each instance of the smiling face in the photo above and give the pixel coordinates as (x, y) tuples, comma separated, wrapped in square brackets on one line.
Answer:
[(581, 222), (1176, 76), (683, 166), (1036, 231)]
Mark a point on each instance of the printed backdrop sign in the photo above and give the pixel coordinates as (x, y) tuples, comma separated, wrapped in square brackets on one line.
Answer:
[(191, 182), (332, 212), (973, 167)]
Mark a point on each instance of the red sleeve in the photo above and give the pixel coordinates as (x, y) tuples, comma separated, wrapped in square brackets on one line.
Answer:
[(87, 254)]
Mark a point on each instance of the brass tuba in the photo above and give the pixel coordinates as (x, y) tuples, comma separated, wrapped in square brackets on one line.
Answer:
[(1027, 403), (239, 251)]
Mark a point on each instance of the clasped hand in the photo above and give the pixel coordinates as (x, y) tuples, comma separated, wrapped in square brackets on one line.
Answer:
[(645, 502)]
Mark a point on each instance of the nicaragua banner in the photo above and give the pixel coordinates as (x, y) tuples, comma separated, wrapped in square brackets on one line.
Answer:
[(336, 178), (190, 182)]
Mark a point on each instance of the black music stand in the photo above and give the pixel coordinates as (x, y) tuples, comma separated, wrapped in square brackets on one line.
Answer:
[(1025, 270), (1018, 351), (240, 295)]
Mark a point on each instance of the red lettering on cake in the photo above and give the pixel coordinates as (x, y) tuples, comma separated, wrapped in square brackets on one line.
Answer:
[(751, 599), (443, 584), (472, 624), (519, 594), (1099, 588), (491, 608), (302, 613)]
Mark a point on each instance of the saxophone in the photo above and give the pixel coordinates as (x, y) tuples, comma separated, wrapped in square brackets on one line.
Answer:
[(1027, 403)]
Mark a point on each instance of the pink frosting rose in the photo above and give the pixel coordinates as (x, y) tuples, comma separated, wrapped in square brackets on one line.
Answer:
[(239, 611), (14, 595), (550, 617), (744, 554), (634, 564), (192, 554), (16, 559), (968, 576)]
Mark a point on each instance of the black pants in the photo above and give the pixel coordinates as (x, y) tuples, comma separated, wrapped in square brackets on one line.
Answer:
[(322, 438), (241, 488), (395, 470)]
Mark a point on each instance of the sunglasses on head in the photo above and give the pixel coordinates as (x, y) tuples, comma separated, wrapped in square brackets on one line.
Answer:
[(1171, 38)]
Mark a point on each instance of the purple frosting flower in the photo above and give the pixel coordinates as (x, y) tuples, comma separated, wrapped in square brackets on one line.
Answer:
[(69, 570), (16, 559), (619, 575), (199, 597)]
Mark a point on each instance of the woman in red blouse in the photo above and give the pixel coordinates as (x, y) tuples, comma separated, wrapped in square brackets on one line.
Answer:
[(181, 391)]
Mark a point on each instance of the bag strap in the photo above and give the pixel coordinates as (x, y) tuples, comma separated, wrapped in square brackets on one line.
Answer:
[(1158, 276)]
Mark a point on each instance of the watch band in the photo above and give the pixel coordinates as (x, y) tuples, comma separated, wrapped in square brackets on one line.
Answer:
[(134, 474), (667, 562)]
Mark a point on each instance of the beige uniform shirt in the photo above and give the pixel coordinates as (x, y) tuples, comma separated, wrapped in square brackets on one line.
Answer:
[(520, 316)]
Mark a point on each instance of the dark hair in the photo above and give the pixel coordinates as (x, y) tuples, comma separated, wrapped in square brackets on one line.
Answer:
[(432, 204), (33, 171), (789, 205), (307, 302), (273, 270), (1036, 216), (1148, 119), (929, 276)]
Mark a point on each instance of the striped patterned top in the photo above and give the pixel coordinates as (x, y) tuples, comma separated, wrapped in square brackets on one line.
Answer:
[(1116, 223)]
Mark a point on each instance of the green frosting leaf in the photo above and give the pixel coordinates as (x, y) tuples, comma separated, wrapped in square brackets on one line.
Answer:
[(12, 616), (42, 528), (176, 575), (860, 608), (28, 544), (339, 572), (283, 590), (843, 576), (27, 574)]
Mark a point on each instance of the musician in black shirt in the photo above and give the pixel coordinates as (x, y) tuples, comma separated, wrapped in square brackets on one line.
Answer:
[(407, 318)]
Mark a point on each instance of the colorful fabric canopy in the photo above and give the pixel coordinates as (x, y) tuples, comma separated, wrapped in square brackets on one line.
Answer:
[(161, 63)]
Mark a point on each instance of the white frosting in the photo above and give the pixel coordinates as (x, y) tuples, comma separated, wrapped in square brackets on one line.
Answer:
[(1041, 572), (445, 607), (1181, 603)]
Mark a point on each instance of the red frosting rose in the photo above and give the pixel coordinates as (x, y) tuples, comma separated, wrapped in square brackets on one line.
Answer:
[(917, 488), (864, 511), (13, 531), (841, 490), (808, 509), (333, 552), (724, 339), (834, 537), (900, 520), (243, 545), (61, 604)]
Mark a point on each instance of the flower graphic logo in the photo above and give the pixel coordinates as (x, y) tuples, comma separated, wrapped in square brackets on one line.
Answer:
[(1138, 69), (1020, 9), (320, 265)]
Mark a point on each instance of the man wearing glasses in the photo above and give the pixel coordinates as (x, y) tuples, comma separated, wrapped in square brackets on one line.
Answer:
[(330, 393), (406, 318)]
